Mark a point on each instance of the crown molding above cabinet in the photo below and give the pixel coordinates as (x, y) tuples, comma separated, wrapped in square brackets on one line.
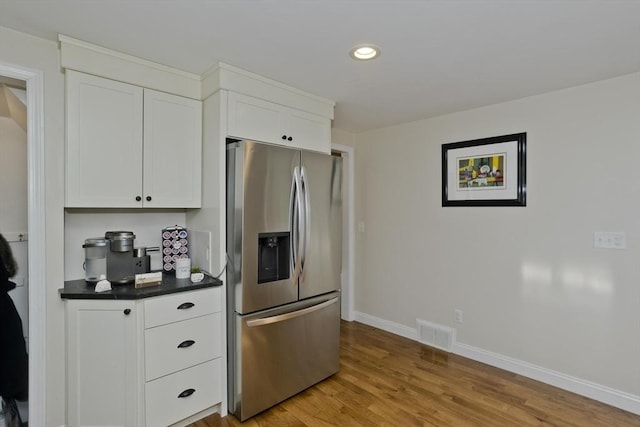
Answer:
[(234, 79), (88, 58), (99, 61)]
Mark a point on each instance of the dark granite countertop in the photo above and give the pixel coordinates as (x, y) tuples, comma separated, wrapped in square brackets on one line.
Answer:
[(79, 289)]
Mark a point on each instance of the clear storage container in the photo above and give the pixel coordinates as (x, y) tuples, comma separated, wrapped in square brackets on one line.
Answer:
[(95, 259)]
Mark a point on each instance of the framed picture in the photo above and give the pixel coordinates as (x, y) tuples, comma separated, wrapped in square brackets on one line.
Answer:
[(485, 172)]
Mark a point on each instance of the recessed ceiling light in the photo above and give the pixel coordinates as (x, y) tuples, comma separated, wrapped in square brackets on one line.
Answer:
[(364, 52)]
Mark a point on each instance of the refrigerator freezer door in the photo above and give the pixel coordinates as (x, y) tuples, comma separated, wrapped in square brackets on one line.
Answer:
[(322, 255), (259, 204), (283, 351)]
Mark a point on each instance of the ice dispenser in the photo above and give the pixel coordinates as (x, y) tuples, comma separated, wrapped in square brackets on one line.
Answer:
[(273, 256)]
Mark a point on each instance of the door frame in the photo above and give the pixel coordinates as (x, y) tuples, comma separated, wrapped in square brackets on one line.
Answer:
[(348, 258), (36, 231)]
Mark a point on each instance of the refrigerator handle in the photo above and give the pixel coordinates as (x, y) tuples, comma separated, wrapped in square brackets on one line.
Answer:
[(307, 219), (293, 221), (296, 220), (290, 315)]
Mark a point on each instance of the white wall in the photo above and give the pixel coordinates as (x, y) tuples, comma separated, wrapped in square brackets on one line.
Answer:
[(208, 218), (529, 281), (339, 136), (13, 177), (38, 54)]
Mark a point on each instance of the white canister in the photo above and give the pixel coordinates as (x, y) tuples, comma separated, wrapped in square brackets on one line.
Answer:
[(183, 268)]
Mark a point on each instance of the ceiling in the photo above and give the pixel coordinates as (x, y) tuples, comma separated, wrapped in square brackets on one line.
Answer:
[(437, 56)]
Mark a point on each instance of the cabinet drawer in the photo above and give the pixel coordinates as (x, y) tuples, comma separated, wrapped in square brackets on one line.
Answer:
[(200, 339), (165, 407), (180, 306)]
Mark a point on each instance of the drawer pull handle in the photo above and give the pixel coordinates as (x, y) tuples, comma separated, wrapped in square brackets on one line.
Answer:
[(188, 392), (187, 343), (185, 305)]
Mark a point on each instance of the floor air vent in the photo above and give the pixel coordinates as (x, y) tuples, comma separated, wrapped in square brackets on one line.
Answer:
[(435, 335)]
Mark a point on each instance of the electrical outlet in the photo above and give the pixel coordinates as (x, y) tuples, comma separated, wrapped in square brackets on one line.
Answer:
[(457, 315)]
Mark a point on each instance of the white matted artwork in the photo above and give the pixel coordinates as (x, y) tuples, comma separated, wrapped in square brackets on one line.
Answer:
[(485, 172)]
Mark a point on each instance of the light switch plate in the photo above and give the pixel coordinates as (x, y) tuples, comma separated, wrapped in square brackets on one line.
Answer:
[(610, 240)]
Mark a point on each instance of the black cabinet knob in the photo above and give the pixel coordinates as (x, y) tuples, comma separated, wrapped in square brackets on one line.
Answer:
[(127, 311), (284, 137), (138, 198), (290, 139), (148, 198)]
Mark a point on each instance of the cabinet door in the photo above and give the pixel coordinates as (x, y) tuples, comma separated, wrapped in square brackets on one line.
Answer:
[(255, 119), (172, 151), (259, 120), (310, 131), (102, 363), (104, 142)]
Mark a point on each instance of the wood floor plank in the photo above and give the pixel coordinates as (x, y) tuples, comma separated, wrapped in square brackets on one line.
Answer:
[(387, 380)]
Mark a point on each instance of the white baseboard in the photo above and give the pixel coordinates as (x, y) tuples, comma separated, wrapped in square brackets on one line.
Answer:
[(386, 325), (610, 396)]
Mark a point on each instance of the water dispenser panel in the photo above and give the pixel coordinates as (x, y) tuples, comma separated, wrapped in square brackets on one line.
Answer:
[(273, 256)]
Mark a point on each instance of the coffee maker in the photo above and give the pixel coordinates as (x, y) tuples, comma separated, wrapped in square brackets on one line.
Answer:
[(120, 265)]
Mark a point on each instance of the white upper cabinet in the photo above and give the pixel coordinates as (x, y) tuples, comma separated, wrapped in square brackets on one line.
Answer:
[(260, 120), (130, 147), (309, 131), (253, 118), (104, 142), (172, 174)]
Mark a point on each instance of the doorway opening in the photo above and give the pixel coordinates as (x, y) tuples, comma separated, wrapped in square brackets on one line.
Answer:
[(348, 236), (14, 193), (35, 233)]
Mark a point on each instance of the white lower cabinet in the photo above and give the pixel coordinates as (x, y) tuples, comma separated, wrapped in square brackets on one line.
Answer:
[(179, 395), (177, 346), (102, 363), (150, 362)]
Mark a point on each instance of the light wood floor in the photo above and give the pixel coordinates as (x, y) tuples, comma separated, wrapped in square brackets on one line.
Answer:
[(386, 380)]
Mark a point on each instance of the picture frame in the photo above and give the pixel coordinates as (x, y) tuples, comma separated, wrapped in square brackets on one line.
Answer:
[(485, 172)]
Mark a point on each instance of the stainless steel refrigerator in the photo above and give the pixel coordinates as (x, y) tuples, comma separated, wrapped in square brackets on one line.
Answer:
[(284, 243)]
